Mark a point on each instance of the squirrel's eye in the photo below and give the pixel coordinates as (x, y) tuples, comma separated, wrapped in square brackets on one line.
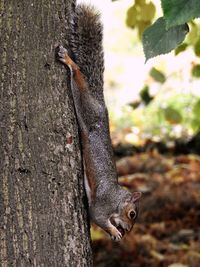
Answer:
[(132, 214)]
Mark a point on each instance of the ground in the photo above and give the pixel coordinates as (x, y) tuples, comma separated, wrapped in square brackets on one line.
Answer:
[(167, 232)]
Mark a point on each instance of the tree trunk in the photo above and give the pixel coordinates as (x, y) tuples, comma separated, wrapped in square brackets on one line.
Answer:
[(43, 219)]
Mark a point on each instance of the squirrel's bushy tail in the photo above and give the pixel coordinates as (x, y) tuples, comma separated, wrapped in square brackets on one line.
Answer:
[(87, 47)]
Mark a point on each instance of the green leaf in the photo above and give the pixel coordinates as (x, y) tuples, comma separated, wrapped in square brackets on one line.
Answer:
[(172, 115), (181, 48), (157, 40), (177, 12), (148, 11), (131, 17), (197, 48), (145, 96), (157, 75), (196, 71)]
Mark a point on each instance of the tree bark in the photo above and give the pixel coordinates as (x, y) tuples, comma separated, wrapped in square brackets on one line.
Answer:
[(43, 220)]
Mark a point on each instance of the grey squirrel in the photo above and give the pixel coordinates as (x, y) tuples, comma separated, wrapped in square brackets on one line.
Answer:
[(111, 207)]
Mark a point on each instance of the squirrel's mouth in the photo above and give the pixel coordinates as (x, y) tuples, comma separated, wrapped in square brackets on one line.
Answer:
[(120, 229)]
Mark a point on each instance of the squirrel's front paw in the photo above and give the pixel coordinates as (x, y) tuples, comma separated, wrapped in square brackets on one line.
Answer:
[(62, 54), (115, 234), (117, 237)]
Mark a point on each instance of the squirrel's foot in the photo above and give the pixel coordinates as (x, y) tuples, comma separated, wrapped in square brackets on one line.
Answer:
[(65, 58), (63, 54)]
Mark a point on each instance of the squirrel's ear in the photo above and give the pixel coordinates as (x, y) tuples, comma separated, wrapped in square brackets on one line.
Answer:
[(136, 196)]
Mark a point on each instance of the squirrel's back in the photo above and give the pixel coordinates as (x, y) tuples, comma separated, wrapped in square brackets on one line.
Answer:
[(87, 47)]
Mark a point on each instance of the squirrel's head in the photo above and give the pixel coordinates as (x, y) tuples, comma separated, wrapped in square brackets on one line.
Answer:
[(126, 213)]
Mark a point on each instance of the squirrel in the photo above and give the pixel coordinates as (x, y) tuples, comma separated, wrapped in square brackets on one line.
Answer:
[(111, 207)]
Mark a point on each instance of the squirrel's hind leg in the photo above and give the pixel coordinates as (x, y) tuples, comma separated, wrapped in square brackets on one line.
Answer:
[(65, 58), (77, 75)]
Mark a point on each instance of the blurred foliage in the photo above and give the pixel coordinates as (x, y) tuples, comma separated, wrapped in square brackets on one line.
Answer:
[(181, 48), (145, 95), (164, 115), (157, 75), (172, 115), (196, 71), (140, 15), (196, 116), (159, 117)]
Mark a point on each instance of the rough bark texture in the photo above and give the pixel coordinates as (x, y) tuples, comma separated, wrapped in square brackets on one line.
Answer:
[(42, 216)]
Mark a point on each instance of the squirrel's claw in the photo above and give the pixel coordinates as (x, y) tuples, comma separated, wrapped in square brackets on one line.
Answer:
[(117, 237)]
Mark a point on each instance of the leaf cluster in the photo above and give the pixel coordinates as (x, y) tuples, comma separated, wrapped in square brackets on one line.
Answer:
[(168, 32)]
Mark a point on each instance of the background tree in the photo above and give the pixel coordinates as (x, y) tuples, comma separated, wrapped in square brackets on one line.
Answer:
[(43, 220)]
